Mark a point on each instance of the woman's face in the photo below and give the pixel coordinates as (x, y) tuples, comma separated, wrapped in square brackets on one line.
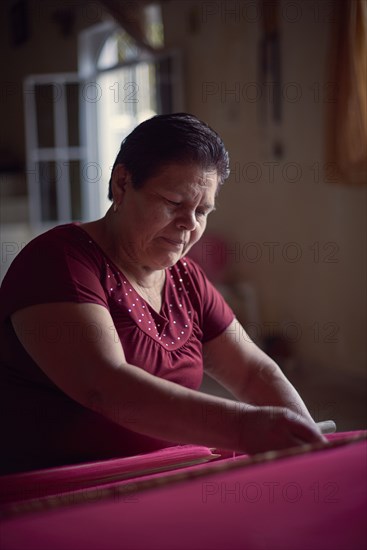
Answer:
[(160, 222)]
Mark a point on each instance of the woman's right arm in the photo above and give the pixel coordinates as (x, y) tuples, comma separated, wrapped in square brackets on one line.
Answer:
[(78, 348)]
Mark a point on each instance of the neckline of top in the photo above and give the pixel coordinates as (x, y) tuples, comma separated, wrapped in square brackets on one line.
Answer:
[(160, 314)]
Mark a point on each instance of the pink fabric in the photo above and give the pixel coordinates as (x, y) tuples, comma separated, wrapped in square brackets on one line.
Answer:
[(55, 481), (43, 427), (317, 500)]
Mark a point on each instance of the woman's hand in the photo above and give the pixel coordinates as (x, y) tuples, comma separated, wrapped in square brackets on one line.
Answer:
[(274, 428)]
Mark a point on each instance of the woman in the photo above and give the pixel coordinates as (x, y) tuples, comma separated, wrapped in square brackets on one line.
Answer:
[(106, 325)]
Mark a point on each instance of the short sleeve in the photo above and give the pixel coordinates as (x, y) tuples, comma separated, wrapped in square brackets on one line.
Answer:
[(57, 266), (215, 315)]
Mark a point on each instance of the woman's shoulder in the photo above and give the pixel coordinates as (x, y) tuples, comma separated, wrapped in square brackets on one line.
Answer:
[(61, 264), (68, 234), (61, 239), (52, 251)]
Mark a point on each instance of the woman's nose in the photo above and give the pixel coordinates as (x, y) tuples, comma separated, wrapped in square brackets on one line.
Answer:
[(187, 220)]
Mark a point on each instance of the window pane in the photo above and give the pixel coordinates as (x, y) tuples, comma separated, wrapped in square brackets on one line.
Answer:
[(164, 85), (75, 190), (72, 105), (44, 95), (47, 177)]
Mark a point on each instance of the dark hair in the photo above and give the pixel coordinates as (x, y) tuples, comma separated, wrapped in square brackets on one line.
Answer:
[(163, 139)]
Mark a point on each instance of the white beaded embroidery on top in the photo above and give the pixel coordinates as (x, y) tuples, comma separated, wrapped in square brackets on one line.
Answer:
[(172, 331)]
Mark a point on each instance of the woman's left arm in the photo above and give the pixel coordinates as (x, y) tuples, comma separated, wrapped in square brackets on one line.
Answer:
[(240, 366)]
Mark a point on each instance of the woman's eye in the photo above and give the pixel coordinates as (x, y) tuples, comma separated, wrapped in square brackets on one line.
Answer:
[(173, 203)]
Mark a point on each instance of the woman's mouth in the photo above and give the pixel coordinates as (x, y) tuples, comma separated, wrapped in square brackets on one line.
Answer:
[(174, 242)]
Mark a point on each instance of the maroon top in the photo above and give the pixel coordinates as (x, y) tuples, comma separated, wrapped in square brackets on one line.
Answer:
[(43, 426)]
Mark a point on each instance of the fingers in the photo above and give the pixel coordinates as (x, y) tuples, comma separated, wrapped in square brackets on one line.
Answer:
[(276, 428), (306, 432), (327, 426), (300, 429)]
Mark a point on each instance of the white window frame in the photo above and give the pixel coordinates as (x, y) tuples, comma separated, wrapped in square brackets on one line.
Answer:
[(61, 153)]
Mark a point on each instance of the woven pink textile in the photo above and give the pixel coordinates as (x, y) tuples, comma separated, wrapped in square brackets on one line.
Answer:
[(316, 500), (52, 481)]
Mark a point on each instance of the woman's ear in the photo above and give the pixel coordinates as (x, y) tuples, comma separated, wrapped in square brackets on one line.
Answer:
[(120, 179)]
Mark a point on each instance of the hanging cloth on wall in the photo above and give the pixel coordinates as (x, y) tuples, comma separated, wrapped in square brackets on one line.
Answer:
[(269, 78), (346, 123)]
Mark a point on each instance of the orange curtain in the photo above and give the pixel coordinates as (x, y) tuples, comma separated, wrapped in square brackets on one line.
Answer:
[(346, 147)]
